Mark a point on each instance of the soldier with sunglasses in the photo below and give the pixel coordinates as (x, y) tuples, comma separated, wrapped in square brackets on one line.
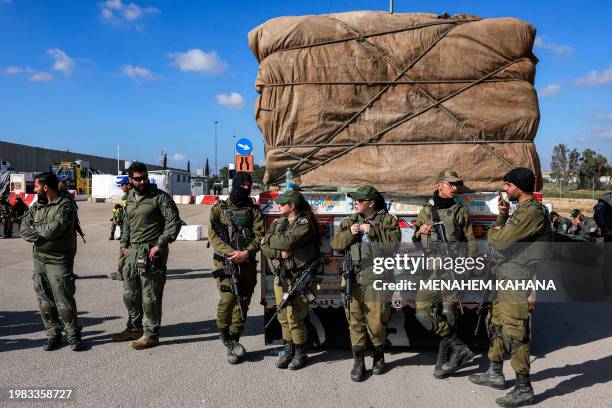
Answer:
[(151, 222)]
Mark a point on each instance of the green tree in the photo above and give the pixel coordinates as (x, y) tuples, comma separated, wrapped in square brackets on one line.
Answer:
[(573, 163), (559, 165), (592, 167)]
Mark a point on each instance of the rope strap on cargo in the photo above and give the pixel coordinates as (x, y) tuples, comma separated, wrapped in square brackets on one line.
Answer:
[(361, 37), (372, 83), (422, 142)]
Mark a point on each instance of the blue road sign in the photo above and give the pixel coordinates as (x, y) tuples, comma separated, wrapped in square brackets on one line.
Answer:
[(244, 146)]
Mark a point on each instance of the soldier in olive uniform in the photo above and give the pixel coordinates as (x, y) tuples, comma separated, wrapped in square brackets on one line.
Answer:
[(50, 226), (124, 184), (291, 245), (150, 224), (582, 227), (368, 312), (519, 242), (452, 352), (5, 217), (19, 210), (242, 219), (558, 223)]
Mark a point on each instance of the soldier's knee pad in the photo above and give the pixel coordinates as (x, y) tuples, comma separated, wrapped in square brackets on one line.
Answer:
[(129, 300), (65, 312), (450, 315), (48, 311), (424, 317)]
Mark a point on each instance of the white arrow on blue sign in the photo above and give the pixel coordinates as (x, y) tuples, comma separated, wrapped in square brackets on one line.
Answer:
[(244, 146)]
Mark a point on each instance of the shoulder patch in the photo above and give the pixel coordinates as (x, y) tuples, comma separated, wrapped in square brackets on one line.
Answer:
[(514, 221), (302, 221)]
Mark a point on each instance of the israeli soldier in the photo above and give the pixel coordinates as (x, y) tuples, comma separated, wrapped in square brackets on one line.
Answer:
[(368, 312), (5, 216), (453, 354), (235, 233), (50, 226), (291, 245), (582, 227), (19, 210), (603, 217), (516, 259), (150, 224), (124, 183)]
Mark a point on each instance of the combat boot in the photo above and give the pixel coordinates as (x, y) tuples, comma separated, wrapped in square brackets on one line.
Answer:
[(287, 355), (358, 372), (444, 351), (53, 343), (127, 335), (521, 394), (238, 348), (300, 358), (461, 355), (144, 342), (379, 360), (493, 377), (75, 343), (229, 344)]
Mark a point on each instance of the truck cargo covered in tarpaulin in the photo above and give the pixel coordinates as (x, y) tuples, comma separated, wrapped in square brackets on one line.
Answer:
[(391, 99)]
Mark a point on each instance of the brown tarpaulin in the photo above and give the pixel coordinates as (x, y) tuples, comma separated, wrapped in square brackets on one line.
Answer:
[(392, 99)]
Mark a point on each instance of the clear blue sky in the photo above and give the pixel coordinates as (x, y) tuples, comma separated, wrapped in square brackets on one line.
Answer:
[(154, 75)]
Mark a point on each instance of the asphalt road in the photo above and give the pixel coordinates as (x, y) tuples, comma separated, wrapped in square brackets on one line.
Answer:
[(572, 346)]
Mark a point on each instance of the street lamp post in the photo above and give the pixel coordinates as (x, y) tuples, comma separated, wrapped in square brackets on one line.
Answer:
[(216, 168)]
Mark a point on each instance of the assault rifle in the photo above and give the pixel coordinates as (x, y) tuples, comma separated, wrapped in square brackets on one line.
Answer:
[(443, 248), (347, 275), (235, 239), (300, 286)]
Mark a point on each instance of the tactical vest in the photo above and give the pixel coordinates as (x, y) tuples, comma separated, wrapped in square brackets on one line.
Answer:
[(301, 257), (241, 218), (361, 252), (520, 259), (448, 216)]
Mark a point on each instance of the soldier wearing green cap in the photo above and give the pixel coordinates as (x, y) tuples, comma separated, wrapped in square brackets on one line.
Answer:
[(291, 245), (368, 312), (436, 310), (518, 242)]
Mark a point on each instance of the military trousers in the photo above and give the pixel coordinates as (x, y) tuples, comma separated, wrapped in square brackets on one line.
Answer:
[(367, 314), (55, 289), (508, 327), (292, 318), (143, 291), (228, 308), (436, 310), (7, 225), (113, 228)]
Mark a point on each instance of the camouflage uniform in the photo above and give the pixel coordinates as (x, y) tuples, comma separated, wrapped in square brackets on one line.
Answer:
[(367, 315), (5, 217), (51, 228), (247, 221), (151, 219), (458, 229), (509, 314), (297, 237), (368, 312)]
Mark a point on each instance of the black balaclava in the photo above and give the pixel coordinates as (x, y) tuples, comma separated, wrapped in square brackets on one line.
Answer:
[(241, 196)]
